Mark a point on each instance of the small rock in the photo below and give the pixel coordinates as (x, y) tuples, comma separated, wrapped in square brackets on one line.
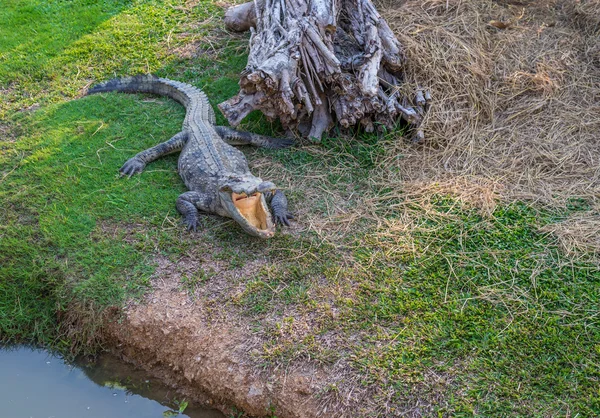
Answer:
[(255, 391)]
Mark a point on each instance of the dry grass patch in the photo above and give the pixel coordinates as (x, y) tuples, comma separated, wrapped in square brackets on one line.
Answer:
[(517, 106), (578, 235), (206, 39)]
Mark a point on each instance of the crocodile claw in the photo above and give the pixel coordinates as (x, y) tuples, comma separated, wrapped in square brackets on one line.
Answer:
[(283, 219), (132, 166), (191, 223)]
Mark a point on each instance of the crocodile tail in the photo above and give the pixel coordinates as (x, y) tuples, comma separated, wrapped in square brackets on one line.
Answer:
[(136, 84), (181, 92)]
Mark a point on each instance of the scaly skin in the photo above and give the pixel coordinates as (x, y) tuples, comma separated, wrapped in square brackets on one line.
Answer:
[(215, 173)]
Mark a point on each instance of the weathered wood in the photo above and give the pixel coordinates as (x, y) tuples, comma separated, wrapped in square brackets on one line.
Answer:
[(242, 17), (315, 62)]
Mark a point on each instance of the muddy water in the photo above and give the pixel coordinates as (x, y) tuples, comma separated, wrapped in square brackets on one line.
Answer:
[(36, 384)]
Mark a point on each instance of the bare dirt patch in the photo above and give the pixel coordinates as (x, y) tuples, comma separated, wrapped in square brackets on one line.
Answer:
[(210, 357), (7, 134), (193, 332)]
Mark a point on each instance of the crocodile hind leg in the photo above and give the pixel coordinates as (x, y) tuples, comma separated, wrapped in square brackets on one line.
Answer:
[(188, 204), (137, 163), (233, 137)]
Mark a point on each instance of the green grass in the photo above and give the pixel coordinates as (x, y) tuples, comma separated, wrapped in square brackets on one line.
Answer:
[(477, 315), (495, 299)]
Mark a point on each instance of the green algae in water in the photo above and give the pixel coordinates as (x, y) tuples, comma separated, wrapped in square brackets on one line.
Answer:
[(114, 385)]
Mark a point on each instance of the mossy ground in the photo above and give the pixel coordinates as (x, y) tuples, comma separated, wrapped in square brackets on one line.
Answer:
[(487, 303)]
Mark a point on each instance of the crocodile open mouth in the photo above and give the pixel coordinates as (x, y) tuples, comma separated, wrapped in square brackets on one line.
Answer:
[(251, 208)]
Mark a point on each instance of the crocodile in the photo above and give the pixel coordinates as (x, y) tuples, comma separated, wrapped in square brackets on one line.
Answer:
[(215, 173)]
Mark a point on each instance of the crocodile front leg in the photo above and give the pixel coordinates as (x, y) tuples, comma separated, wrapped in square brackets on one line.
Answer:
[(233, 137), (279, 208), (137, 163), (188, 204)]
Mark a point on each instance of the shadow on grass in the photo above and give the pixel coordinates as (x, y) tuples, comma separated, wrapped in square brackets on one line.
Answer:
[(34, 32)]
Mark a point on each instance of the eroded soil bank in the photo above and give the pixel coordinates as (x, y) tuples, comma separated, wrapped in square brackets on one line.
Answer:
[(177, 340)]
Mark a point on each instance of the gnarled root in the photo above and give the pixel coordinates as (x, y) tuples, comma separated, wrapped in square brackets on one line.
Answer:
[(311, 62)]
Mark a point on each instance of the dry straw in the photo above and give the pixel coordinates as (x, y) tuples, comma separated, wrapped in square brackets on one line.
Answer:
[(516, 110), (518, 106)]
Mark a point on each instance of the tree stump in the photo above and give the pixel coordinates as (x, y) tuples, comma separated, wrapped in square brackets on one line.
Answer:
[(315, 62)]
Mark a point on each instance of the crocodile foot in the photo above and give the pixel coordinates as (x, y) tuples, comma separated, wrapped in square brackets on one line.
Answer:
[(278, 143), (279, 208), (283, 218), (132, 166), (191, 223), (186, 205)]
